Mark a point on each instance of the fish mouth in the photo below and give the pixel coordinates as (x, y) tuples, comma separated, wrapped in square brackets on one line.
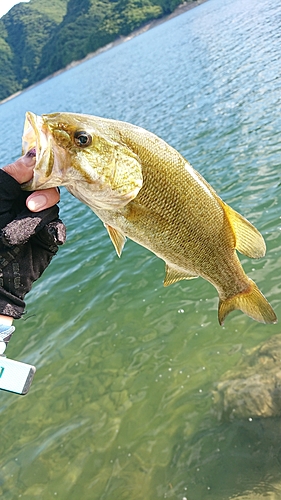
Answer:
[(37, 137), (60, 163)]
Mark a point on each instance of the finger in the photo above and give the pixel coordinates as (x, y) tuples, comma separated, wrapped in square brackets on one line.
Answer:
[(45, 198), (22, 169)]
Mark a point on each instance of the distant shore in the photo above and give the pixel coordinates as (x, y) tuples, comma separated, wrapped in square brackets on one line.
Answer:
[(184, 7)]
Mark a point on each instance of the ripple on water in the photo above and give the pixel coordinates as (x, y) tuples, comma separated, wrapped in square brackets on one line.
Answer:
[(121, 405)]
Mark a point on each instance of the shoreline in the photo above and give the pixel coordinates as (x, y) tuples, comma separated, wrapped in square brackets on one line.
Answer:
[(181, 9)]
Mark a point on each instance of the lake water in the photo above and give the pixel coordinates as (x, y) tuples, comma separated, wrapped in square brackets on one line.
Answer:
[(122, 406)]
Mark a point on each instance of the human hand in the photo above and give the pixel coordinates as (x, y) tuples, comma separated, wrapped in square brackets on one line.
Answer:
[(22, 171), (30, 232)]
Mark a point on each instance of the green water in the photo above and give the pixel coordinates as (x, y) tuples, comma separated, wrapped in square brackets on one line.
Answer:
[(122, 406)]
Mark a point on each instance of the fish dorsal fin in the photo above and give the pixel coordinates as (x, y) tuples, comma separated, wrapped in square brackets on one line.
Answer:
[(118, 239), (249, 241), (173, 275)]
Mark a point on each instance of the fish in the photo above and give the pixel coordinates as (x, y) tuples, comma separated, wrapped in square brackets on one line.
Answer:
[(143, 189)]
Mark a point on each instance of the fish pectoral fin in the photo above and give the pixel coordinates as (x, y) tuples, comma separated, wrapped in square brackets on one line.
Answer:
[(251, 302), (249, 241), (173, 275), (118, 239)]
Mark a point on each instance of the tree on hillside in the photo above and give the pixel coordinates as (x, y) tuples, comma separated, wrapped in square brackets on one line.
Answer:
[(39, 37)]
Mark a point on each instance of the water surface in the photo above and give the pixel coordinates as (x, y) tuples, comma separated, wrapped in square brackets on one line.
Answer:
[(122, 403)]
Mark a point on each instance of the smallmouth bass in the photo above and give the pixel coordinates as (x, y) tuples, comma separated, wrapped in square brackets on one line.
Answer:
[(143, 189)]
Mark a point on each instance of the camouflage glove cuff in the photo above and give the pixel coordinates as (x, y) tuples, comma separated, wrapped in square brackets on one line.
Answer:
[(21, 265), (28, 241)]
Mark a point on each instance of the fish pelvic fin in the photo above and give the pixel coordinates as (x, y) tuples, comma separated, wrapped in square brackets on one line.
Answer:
[(173, 275), (249, 241), (251, 302), (118, 239)]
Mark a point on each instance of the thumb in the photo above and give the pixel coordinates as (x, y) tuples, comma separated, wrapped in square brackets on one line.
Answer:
[(45, 198)]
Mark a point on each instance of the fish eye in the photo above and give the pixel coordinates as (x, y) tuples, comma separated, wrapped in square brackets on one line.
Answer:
[(82, 139)]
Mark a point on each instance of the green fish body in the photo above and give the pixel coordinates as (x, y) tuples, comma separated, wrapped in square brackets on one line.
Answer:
[(143, 189)]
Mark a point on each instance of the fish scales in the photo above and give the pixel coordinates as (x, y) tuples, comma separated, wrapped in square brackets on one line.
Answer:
[(192, 232), (143, 189)]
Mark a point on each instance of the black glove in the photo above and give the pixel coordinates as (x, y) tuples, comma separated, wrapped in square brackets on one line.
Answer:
[(28, 241)]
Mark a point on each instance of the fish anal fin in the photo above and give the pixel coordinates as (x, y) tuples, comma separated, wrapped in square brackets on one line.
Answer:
[(249, 241), (173, 275), (251, 302), (118, 239)]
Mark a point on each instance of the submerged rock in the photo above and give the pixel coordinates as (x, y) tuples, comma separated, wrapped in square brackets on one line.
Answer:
[(254, 389)]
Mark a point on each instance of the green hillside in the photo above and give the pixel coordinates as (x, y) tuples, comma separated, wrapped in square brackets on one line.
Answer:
[(41, 37)]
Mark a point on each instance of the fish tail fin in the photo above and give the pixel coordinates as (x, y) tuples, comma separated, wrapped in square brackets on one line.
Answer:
[(251, 302)]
